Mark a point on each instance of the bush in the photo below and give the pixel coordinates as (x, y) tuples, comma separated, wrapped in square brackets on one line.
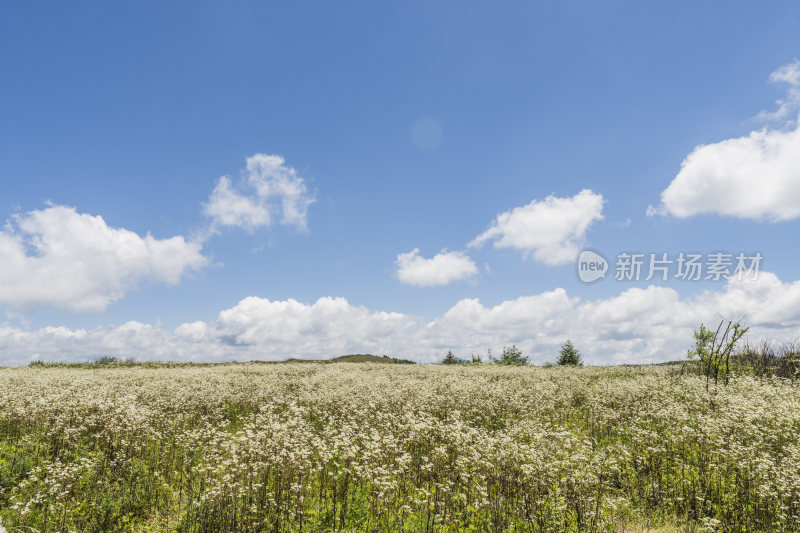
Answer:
[(713, 351), (512, 356), (769, 358)]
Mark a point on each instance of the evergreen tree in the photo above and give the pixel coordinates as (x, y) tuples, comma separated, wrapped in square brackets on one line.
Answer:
[(451, 359), (569, 355)]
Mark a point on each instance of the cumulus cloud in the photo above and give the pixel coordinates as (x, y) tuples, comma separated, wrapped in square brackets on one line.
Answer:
[(59, 257), (269, 189), (441, 269), (756, 176), (638, 325), (328, 326), (549, 230)]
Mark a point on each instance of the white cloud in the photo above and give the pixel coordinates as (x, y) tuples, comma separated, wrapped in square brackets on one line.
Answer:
[(329, 326), (269, 187), (192, 331), (59, 257), (649, 324), (229, 208), (549, 230), (789, 74), (441, 269), (756, 177), (638, 325)]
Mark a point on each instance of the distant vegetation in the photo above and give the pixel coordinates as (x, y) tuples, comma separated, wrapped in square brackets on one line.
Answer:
[(512, 356), (718, 356), (366, 358), (451, 359), (109, 361)]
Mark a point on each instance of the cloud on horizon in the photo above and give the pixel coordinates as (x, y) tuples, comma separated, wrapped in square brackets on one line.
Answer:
[(641, 325)]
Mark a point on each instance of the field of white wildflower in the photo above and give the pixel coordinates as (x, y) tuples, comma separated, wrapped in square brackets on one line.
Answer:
[(368, 447)]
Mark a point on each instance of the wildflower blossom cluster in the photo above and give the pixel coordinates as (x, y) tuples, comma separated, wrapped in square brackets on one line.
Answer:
[(324, 447)]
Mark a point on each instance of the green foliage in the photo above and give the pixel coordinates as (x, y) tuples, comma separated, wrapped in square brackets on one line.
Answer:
[(512, 356), (568, 355), (713, 350), (451, 359)]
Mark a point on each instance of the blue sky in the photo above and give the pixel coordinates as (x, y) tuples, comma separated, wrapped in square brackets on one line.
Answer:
[(400, 127)]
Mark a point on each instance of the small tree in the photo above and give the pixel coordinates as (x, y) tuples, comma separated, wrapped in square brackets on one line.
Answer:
[(513, 356), (569, 355), (451, 359), (713, 349)]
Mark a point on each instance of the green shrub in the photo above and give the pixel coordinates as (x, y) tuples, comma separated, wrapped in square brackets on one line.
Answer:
[(512, 356), (713, 350)]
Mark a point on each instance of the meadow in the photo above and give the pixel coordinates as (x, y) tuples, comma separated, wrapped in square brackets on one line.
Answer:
[(385, 447)]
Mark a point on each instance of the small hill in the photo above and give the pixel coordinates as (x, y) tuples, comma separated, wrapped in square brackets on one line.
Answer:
[(361, 358), (369, 358)]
